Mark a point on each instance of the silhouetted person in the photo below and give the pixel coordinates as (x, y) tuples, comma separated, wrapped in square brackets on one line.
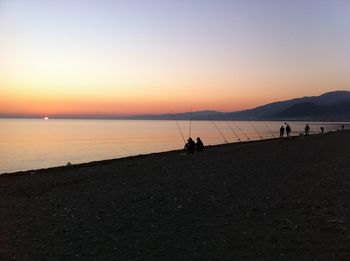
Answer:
[(199, 144), (307, 129), (288, 130), (190, 145), (281, 132), (342, 127), (322, 129)]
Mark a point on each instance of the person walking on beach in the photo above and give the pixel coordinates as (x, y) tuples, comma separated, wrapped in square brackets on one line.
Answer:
[(199, 144), (322, 129), (281, 132), (342, 127), (288, 130), (190, 145), (307, 129)]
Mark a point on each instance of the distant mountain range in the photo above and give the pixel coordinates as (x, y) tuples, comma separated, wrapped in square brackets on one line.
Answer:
[(328, 106), (332, 106)]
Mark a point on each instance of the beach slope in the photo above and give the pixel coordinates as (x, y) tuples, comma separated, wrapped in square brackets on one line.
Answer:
[(264, 200)]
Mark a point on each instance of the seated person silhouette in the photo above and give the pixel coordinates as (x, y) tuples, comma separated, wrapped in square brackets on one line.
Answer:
[(190, 145), (199, 144)]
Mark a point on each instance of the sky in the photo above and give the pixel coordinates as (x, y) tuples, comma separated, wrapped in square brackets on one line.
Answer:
[(85, 57)]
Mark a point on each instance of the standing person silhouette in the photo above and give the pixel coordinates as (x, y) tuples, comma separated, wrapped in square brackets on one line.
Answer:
[(322, 129), (342, 127), (281, 131), (307, 129), (288, 130)]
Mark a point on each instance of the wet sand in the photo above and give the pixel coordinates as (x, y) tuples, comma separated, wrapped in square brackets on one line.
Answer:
[(265, 200)]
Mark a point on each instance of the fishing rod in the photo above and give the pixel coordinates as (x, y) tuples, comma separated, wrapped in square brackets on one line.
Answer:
[(233, 131), (178, 126), (273, 135), (189, 132), (255, 129), (219, 131), (241, 130)]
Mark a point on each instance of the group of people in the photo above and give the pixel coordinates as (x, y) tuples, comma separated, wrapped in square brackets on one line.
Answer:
[(306, 130), (191, 146), (288, 130)]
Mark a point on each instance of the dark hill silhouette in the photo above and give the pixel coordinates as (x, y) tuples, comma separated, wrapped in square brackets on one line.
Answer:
[(300, 110), (308, 106), (272, 109), (308, 110), (330, 97), (331, 105), (197, 115), (341, 107)]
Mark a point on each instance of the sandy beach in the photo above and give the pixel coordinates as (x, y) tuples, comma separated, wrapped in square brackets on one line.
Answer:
[(264, 200)]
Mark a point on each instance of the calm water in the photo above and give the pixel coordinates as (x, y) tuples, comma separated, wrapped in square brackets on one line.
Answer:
[(31, 144)]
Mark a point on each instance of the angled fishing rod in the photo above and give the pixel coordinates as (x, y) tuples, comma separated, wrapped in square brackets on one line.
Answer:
[(189, 132), (233, 131), (255, 129), (273, 135), (241, 130), (220, 131), (178, 126)]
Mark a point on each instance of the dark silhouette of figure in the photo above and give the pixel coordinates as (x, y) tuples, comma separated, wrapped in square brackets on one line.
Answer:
[(342, 127), (288, 130), (281, 132), (190, 145), (199, 144), (307, 129), (322, 129)]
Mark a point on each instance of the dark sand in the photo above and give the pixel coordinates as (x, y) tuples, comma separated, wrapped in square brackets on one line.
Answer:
[(266, 200)]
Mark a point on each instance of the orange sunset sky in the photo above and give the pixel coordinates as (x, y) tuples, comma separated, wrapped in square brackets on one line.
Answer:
[(136, 57)]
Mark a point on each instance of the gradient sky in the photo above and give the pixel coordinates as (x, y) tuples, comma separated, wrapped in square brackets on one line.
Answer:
[(160, 56)]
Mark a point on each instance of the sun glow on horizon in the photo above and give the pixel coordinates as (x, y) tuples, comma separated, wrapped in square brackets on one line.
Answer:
[(124, 58)]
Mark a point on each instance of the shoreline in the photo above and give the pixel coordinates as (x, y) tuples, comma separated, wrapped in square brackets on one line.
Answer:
[(268, 199), (54, 157), (109, 161)]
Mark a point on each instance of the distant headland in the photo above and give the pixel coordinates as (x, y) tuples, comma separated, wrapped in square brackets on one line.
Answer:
[(330, 106)]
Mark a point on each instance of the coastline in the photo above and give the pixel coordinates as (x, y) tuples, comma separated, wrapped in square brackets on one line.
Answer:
[(265, 199), (52, 152), (109, 161)]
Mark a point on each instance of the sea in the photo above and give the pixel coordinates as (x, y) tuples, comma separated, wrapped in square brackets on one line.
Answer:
[(27, 144)]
